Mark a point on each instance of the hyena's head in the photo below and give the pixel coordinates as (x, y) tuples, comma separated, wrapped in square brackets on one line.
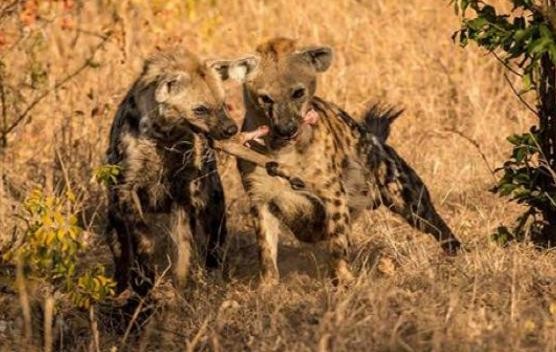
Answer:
[(177, 93), (285, 82)]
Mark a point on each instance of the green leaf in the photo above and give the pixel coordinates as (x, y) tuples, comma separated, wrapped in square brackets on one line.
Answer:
[(520, 154), (538, 46), (477, 23), (464, 4), (545, 32), (527, 81), (506, 189), (514, 139), (552, 53)]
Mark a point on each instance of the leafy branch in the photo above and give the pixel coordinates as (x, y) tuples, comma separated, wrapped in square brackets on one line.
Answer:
[(49, 250), (524, 41)]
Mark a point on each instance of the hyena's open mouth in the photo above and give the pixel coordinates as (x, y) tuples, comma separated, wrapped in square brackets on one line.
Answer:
[(310, 118)]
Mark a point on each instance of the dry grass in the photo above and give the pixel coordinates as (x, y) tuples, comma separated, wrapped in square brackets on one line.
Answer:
[(407, 297)]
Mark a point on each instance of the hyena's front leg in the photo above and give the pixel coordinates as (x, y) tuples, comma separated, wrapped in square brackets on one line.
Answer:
[(210, 219), (120, 243), (181, 234), (267, 228), (143, 267), (403, 192), (338, 228), (133, 253), (323, 217)]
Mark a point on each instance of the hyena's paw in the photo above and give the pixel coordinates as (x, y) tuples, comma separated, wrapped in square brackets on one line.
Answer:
[(452, 247), (123, 297), (275, 169), (270, 275), (342, 275), (269, 280)]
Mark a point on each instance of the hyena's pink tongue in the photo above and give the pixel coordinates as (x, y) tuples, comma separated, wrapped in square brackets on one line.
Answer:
[(254, 135), (311, 117)]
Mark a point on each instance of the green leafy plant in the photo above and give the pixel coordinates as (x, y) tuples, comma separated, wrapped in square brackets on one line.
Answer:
[(49, 250), (524, 41), (106, 174)]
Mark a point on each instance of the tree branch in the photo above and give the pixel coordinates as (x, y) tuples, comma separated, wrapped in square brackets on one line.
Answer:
[(86, 64), (511, 69), (4, 139), (516, 93), (6, 10), (477, 146)]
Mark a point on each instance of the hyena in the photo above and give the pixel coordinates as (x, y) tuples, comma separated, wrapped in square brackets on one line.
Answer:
[(160, 139), (347, 165)]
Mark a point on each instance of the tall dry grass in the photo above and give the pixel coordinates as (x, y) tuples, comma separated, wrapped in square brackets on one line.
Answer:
[(407, 297)]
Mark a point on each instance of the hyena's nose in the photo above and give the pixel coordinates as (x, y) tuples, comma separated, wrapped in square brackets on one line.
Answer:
[(231, 130), (286, 130)]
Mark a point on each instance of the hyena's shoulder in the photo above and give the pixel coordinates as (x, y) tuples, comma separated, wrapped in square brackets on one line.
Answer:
[(339, 131), (125, 123), (339, 118), (374, 125)]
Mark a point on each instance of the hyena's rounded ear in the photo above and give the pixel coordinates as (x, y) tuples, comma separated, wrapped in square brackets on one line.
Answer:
[(318, 57), (169, 86), (240, 70)]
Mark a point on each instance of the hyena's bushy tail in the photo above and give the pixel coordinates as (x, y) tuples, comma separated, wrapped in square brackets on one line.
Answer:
[(378, 119)]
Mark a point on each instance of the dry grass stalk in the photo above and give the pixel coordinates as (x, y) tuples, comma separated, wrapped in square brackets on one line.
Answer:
[(95, 341), (48, 319), (25, 306), (141, 305)]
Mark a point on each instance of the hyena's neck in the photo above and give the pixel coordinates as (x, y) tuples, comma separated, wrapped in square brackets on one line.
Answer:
[(191, 153)]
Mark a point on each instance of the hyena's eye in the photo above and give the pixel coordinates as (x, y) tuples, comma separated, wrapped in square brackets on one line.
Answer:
[(201, 110), (298, 93), (266, 99)]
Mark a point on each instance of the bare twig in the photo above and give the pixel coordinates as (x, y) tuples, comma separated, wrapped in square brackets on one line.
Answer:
[(131, 322), (91, 33), (2, 159), (195, 341), (4, 110), (24, 302), (48, 317), (141, 305), (86, 64), (94, 329), (477, 146), (506, 65), (64, 169), (8, 9), (516, 93)]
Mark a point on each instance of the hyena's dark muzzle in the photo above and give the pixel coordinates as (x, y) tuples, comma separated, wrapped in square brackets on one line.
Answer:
[(223, 127), (285, 120)]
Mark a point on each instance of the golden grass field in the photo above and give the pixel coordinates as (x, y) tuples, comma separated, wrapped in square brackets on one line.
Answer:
[(407, 296)]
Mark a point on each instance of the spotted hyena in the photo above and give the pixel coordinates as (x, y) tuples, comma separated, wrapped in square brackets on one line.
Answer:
[(347, 165), (160, 140)]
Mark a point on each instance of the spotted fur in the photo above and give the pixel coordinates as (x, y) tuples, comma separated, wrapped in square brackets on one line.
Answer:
[(160, 139), (347, 166)]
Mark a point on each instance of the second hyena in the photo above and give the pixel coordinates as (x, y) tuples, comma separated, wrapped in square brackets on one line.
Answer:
[(160, 140), (347, 166)]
